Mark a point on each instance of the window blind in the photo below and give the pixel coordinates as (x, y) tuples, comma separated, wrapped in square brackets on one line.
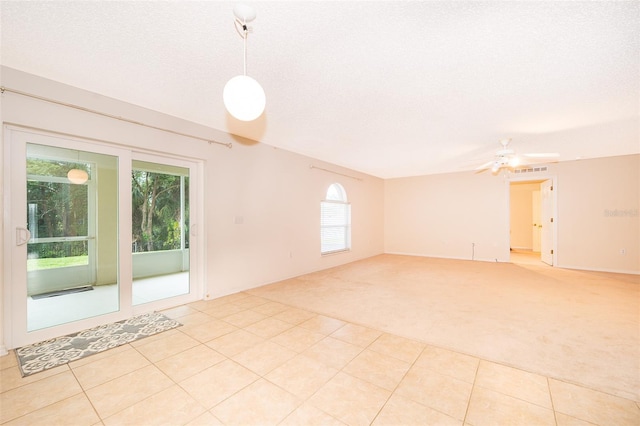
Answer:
[(335, 224)]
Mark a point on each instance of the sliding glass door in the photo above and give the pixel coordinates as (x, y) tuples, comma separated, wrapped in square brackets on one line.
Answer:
[(98, 234), (68, 251), (160, 231)]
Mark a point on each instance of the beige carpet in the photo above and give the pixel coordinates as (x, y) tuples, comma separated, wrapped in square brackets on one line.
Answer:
[(577, 326)]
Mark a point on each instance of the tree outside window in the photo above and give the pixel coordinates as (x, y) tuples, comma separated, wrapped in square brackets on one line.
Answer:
[(160, 211)]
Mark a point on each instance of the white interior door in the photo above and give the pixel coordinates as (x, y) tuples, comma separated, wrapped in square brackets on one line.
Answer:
[(547, 220), (536, 227)]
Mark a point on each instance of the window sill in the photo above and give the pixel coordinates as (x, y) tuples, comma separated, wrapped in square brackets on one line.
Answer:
[(330, 253)]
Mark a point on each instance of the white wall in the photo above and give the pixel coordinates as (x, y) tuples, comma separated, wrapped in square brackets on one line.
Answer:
[(274, 191), (597, 214), (278, 196), (453, 215)]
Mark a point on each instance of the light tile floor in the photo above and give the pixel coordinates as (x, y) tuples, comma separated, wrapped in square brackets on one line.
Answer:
[(245, 360)]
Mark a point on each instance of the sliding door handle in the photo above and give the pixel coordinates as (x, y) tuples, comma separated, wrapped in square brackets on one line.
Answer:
[(22, 236)]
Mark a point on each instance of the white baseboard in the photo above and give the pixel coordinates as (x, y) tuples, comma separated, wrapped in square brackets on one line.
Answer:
[(477, 259), (612, 271)]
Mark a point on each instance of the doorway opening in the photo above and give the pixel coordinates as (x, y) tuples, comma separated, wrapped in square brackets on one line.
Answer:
[(532, 222)]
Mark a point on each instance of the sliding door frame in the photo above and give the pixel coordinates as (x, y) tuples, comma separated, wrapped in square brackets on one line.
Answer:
[(15, 277), (196, 246)]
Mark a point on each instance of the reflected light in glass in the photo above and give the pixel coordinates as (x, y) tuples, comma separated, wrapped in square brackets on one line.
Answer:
[(77, 176)]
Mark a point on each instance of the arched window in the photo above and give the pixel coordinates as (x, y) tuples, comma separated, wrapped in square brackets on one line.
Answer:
[(335, 221)]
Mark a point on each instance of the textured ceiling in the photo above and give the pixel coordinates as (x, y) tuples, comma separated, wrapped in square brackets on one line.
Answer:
[(387, 88)]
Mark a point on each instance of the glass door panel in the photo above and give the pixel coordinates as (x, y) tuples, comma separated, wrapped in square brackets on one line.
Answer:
[(160, 231), (72, 266)]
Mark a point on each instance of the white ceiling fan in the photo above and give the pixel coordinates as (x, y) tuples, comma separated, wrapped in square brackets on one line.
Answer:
[(506, 158)]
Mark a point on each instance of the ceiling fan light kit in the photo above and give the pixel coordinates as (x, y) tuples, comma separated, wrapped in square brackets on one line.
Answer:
[(243, 96), (506, 158)]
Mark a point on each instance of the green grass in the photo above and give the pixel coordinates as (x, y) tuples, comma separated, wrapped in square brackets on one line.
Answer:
[(56, 262)]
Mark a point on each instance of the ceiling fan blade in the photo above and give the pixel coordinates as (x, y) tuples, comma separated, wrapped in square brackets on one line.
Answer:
[(542, 155), (505, 152), (485, 165)]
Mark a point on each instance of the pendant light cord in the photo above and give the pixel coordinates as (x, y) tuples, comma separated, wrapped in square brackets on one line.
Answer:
[(243, 31), (246, 33)]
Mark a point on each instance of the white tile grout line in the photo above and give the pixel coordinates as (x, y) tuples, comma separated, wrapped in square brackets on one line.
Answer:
[(555, 417)]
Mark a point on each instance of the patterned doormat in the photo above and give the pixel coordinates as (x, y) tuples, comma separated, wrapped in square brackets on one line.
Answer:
[(62, 350)]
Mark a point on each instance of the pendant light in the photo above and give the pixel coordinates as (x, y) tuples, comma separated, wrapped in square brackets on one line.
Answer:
[(243, 96)]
